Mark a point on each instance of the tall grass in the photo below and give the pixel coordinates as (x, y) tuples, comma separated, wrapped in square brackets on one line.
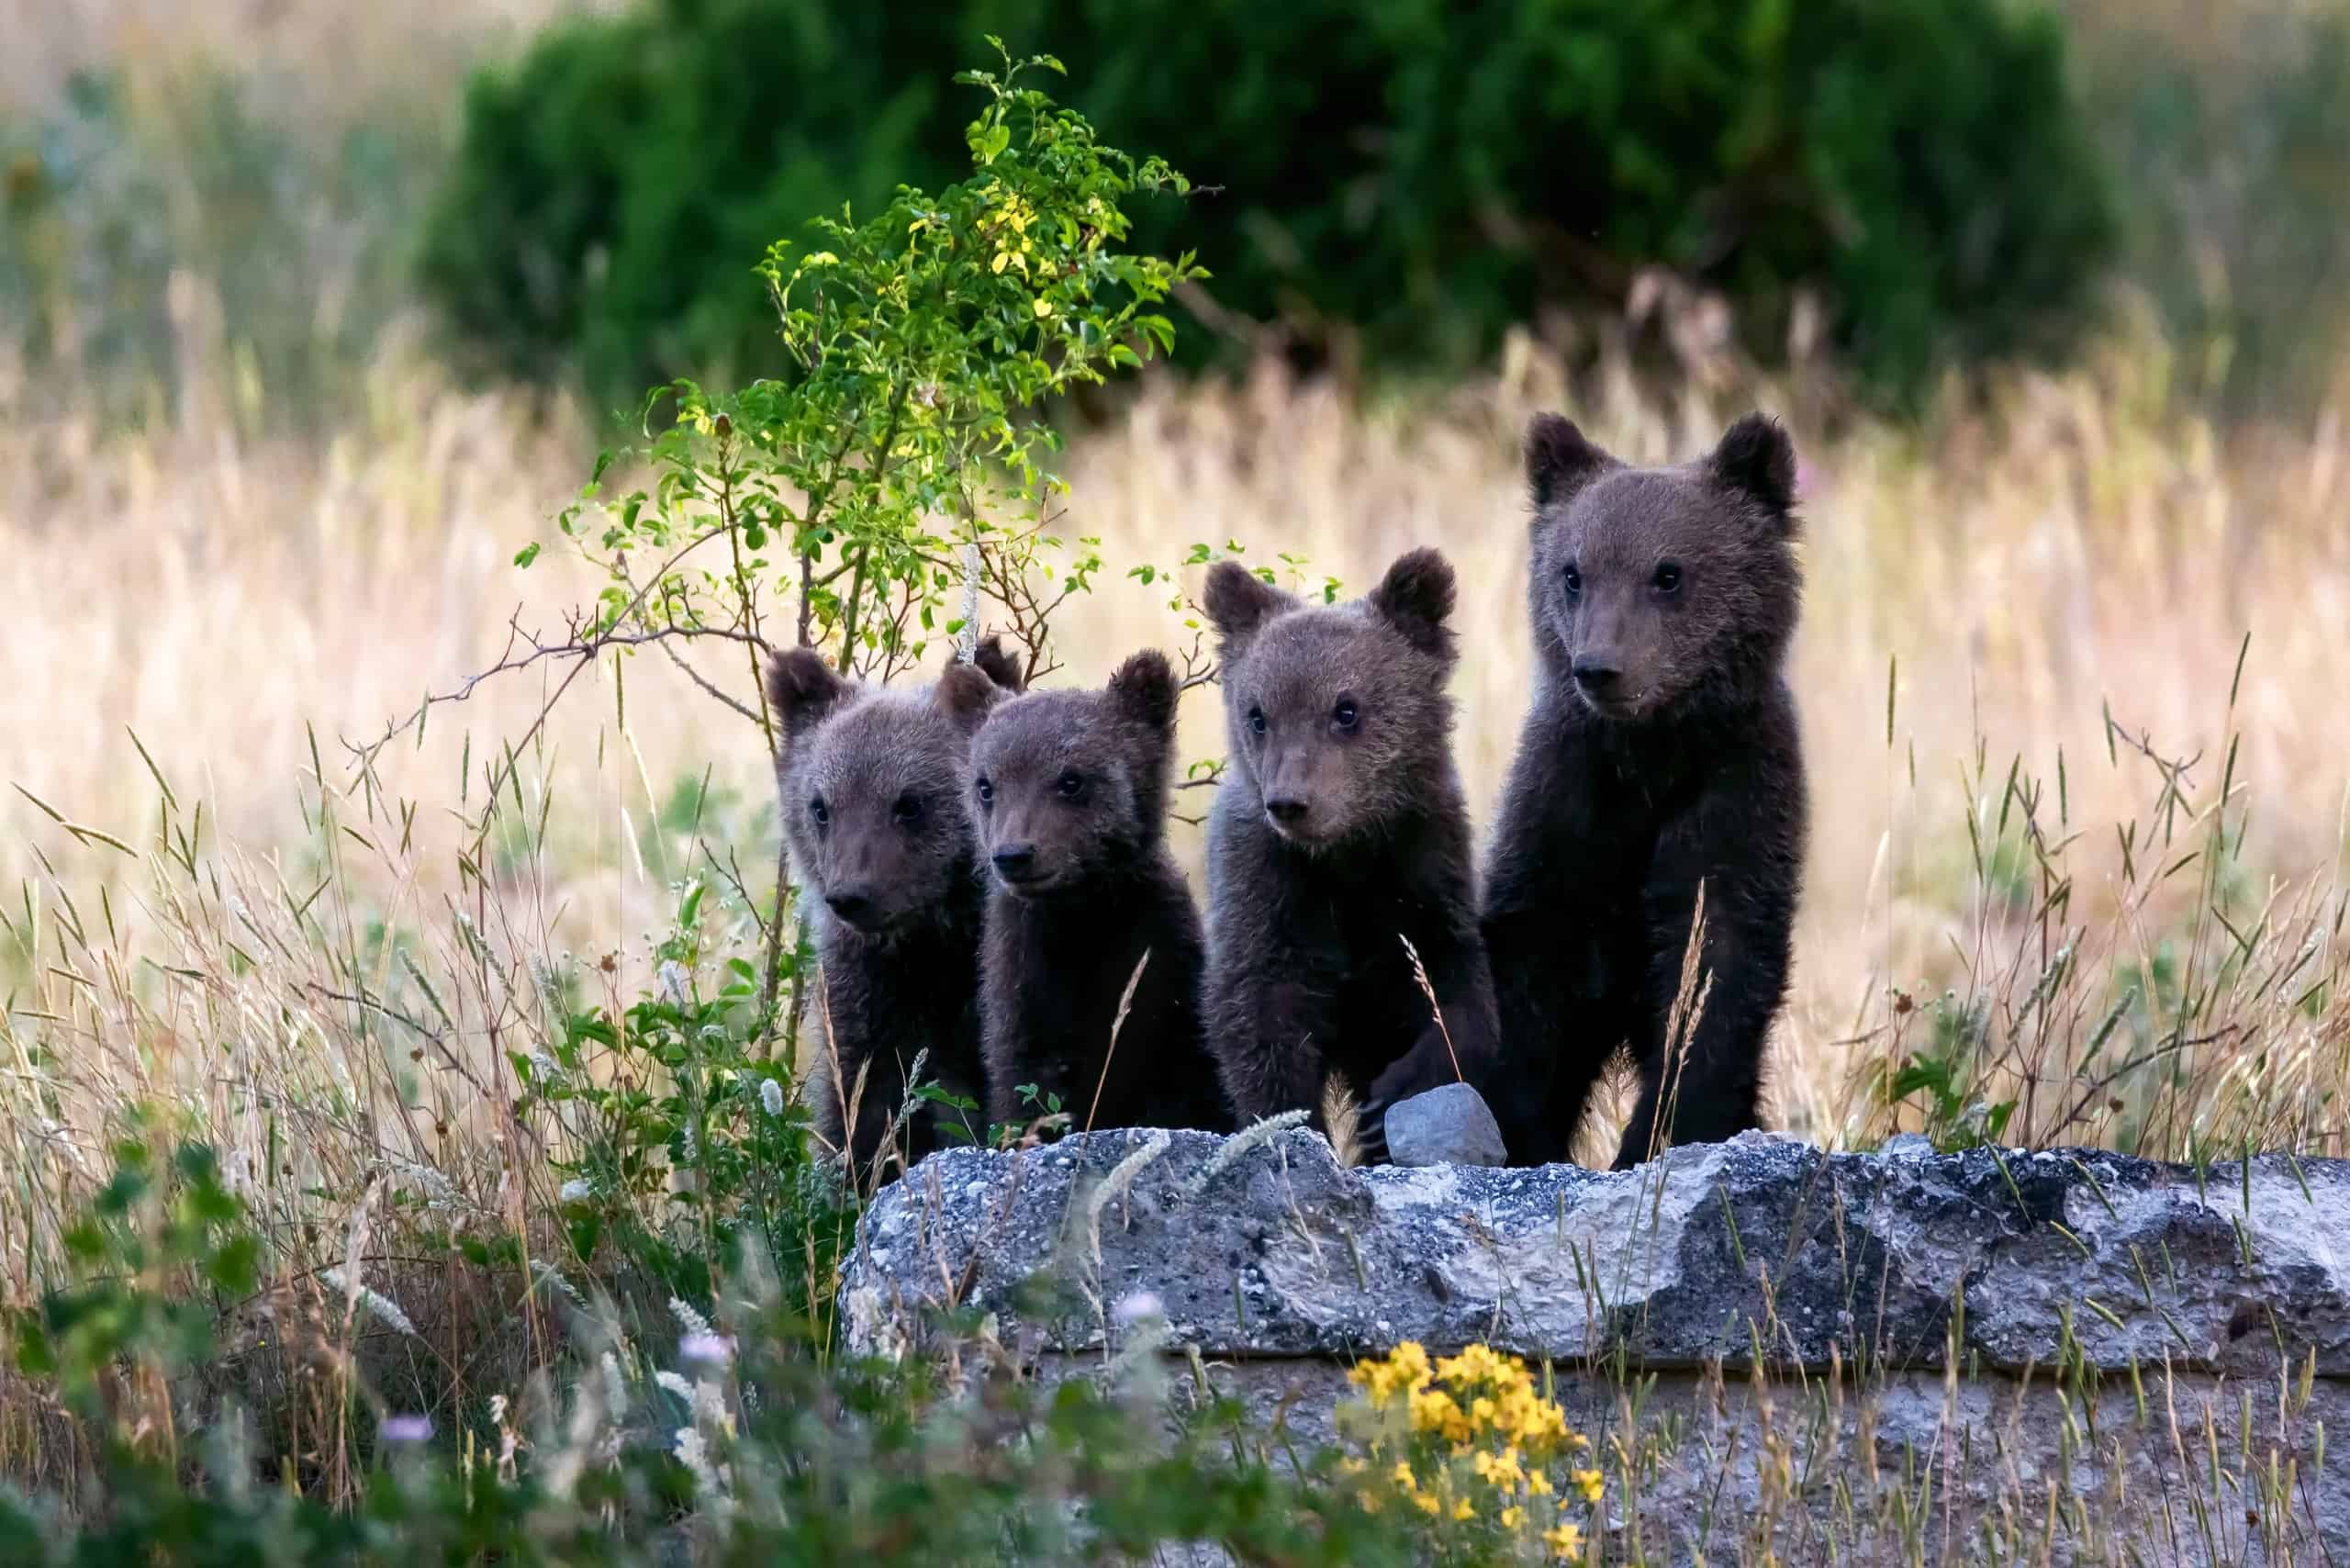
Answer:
[(2044, 783)]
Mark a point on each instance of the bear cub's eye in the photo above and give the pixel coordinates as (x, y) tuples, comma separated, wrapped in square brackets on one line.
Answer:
[(1071, 784), (1256, 719), (1668, 576), (819, 813), (907, 812), (1345, 714), (1575, 582), (987, 790)]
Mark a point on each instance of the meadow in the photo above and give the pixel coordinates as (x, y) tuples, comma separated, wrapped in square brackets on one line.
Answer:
[(2068, 672)]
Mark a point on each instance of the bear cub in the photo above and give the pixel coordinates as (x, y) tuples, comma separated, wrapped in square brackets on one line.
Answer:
[(870, 783), (1068, 793), (1340, 831), (1660, 757)]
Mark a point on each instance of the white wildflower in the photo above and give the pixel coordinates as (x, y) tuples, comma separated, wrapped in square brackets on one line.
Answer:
[(381, 1307), (710, 1406), (692, 1322), (1135, 1306), (407, 1428), (575, 1191), (706, 1348), (693, 1452), (771, 1096), (675, 1384), (672, 982), (439, 1192)]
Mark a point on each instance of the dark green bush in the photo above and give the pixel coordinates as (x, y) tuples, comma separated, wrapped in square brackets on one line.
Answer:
[(1417, 172)]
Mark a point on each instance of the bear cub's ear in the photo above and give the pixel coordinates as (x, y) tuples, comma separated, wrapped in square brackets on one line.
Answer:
[(1560, 459), (1756, 459), (1001, 664), (1239, 603), (965, 693), (803, 688), (1146, 690), (1416, 597)]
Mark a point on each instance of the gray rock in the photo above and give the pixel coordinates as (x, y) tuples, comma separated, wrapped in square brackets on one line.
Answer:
[(2188, 1294), (2113, 1260), (1451, 1125)]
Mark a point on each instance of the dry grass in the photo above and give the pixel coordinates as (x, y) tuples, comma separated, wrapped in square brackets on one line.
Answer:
[(2072, 550)]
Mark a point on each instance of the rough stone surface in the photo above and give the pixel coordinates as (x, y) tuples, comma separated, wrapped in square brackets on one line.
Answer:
[(2156, 1295), (1447, 1125)]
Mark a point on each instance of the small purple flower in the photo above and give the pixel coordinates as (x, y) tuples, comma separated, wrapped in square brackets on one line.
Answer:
[(709, 1348), (407, 1428)]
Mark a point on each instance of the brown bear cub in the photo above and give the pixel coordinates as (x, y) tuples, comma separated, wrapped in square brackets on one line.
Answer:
[(1338, 834), (1069, 794), (871, 788), (1661, 756)]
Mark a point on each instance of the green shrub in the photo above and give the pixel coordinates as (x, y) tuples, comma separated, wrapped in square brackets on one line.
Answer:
[(1423, 173)]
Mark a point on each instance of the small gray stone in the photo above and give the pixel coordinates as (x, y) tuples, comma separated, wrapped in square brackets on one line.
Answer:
[(1451, 1125), (1908, 1146)]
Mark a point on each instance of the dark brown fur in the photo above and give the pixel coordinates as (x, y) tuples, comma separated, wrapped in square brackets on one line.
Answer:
[(871, 788), (1339, 831), (1661, 753), (1069, 799)]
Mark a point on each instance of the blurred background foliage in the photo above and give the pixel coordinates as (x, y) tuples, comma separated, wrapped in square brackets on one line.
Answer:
[(1910, 185), (1410, 177)]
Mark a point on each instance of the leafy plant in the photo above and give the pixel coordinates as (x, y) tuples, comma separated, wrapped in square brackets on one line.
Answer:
[(678, 1114), (153, 1258), (1945, 1079)]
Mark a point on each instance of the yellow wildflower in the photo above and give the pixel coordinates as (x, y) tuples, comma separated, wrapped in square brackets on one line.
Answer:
[(1411, 1364), (1498, 1468), (1044, 309), (1538, 1484), (1564, 1539), (1427, 1502), (1587, 1481), (1405, 1478), (1462, 1509), (1513, 1517)]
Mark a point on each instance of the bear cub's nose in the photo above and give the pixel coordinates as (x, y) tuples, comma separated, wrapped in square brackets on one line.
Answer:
[(1597, 676), (1285, 808), (1015, 862)]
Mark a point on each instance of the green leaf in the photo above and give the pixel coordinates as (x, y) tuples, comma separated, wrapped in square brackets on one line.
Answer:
[(235, 1266), (524, 556)]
